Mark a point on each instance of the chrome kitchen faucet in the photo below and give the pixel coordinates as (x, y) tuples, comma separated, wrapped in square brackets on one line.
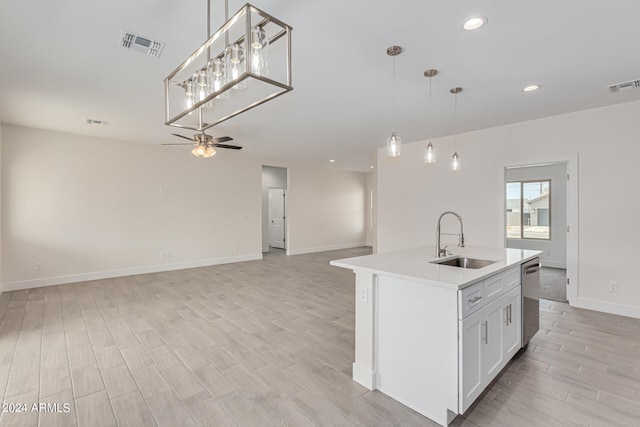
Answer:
[(440, 252)]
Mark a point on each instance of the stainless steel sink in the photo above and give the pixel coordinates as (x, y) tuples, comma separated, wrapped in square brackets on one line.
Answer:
[(462, 262)]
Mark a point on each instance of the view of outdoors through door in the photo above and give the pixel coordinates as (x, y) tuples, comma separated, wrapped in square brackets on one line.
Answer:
[(529, 210), (536, 218)]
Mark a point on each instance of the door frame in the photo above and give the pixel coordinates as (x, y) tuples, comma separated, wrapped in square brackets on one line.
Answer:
[(264, 213), (571, 162)]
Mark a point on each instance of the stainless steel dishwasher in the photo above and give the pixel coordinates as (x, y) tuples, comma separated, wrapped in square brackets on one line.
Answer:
[(530, 299)]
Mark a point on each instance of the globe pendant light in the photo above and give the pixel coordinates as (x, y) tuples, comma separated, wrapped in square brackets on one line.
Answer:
[(394, 142), (455, 160), (429, 150)]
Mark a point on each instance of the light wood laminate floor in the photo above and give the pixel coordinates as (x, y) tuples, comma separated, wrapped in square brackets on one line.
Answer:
[(271, 343)]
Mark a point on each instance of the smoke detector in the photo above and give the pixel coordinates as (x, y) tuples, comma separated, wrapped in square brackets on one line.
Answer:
[(135, 42), (622, 87)]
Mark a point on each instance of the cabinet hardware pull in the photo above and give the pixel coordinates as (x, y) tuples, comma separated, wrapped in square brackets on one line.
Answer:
[(486, 332), (532, 269), (509, 314), (475, 299)]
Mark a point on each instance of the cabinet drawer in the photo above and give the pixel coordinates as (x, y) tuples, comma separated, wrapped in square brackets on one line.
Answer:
[(498, 285), (512, 278), (470, 300)]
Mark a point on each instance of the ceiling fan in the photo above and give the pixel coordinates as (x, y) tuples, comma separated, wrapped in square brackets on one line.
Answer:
[(203, 144)]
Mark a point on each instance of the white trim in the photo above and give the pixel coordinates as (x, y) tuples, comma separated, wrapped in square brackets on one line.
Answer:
[(98, 275), (325, 248), (364, 376), (607, 307), (572, 162)]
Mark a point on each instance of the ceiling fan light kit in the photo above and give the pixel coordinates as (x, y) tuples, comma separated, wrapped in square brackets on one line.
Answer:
[(205, 145), (245, 63)]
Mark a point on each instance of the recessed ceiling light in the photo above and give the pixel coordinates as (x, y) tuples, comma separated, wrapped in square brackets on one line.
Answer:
[(531, 88), (371, 167), (474, 23), (332, 161)]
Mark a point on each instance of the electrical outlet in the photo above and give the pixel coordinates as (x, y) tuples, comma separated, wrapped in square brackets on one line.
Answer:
[(363, 294), (613, 286), (165, 254), (38, 266)]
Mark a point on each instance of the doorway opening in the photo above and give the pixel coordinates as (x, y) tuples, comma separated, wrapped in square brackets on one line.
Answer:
[(274, 211), (540, 213)]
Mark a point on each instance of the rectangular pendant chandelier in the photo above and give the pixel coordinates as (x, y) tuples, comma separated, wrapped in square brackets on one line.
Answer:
[(245, 63)]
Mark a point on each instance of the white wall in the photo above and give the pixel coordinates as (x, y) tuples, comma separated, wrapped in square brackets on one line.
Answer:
[(555, 249), (1, 208), (370, 210), (326, 209), (272, 177), (81, 205), (87, 208), (411, 195)]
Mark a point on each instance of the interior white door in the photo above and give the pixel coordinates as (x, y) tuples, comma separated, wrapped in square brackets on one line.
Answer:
[(276, 218)]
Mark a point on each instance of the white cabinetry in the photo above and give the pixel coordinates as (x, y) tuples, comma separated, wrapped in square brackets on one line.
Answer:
[(490, 335)]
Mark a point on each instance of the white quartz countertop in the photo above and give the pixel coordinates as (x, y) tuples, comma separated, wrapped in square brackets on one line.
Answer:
[(415, 264)]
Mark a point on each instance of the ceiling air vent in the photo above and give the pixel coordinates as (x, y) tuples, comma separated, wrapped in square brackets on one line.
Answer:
[(621, 87), (97, 122), (141, 44)]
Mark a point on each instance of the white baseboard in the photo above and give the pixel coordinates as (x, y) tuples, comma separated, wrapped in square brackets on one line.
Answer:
[(325, 248), (607, 307), (363, 376), (98, 275)]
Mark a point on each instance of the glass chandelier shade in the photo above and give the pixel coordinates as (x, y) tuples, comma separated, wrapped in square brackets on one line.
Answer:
[(455, 162), (394, 145), (250, 51), (429, 154), (236, 65), (203, 150), (259, 43)]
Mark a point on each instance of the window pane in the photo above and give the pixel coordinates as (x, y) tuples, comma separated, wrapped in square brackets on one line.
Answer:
[(513, 210), (536, 215)]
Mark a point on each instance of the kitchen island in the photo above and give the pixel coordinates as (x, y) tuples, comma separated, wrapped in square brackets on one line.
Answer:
[(433, 336)]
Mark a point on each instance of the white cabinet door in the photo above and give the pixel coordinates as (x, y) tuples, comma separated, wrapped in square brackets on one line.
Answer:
[(471, 336), (513, 329), (494, 357)]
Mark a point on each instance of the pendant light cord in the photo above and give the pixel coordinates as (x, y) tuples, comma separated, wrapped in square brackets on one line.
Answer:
[(455, 121), (394, 94), (430, 111)]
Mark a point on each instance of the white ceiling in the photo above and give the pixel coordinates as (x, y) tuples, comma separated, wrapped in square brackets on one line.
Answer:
[(60, 63)]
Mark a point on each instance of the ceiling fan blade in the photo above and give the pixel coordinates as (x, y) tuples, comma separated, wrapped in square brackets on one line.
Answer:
[(230, 147), (182, 136), (178, 143), (223, 139)]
